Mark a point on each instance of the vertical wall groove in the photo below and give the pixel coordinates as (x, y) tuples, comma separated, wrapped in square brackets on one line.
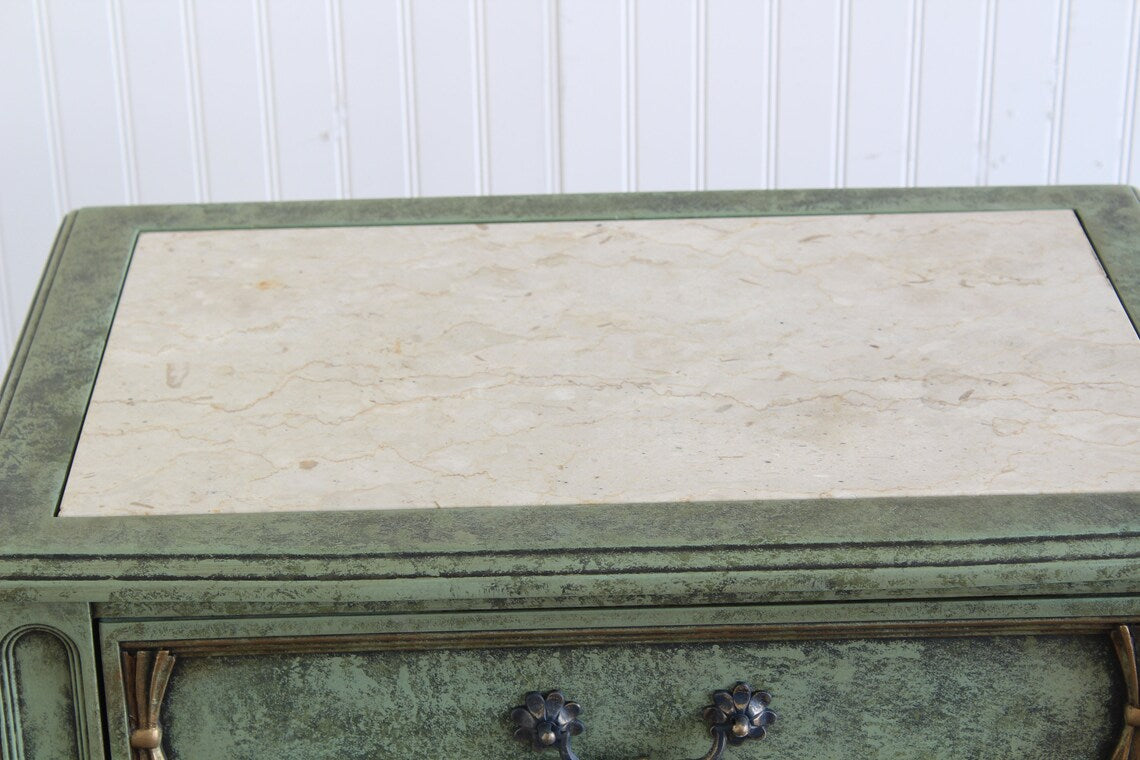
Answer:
[(552, 92), (342, 167), (986, 90), (1064, 17), (479, 95), (127, 150), (408, 100), (1128, 127), (629, 93), (51, 107), (914, 92), (772, 153), (268, 104), (842, 73), (700, 95), (194, 106)]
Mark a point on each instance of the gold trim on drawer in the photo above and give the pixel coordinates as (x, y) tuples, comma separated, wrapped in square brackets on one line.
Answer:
[(515, 639), (145, 686)]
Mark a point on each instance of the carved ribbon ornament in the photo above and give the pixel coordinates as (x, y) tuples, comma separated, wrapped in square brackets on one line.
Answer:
[(1129, 746), (145, 686)]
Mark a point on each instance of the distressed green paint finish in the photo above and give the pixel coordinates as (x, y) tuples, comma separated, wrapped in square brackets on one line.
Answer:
[(49, 693), (809, 549), (1026, 697)]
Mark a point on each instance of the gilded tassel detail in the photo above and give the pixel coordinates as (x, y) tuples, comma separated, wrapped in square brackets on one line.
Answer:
[(145, 686), (1128, 748)]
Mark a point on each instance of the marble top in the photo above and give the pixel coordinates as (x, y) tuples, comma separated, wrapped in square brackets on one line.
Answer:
[(619, 361)]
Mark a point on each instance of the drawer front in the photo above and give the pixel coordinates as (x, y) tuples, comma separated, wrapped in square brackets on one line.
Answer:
[(885, 692)]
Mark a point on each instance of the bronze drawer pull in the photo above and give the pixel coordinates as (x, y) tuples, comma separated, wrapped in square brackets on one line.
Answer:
[(548, 720)]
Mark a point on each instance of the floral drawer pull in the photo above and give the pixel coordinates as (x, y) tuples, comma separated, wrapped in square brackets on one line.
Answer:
[(548, 720)]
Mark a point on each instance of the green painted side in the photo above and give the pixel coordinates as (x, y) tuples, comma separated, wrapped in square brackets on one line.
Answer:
[(49, 693), (1027, 697), (808, 550)]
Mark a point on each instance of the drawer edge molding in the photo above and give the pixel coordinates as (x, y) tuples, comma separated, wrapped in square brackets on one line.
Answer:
[(513, 638)]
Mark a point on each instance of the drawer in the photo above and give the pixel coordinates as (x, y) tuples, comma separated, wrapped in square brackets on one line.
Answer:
[(425, 686)]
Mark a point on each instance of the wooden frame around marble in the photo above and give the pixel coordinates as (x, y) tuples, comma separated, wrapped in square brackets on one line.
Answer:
[(821, 550)]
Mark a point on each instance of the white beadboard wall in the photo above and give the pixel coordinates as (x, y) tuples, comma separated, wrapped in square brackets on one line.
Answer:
[(186, 101)]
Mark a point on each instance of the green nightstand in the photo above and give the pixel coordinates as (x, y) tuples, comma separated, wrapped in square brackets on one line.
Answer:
[(423, 478)]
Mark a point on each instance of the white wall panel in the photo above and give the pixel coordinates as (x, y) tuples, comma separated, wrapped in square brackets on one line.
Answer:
[(739, 115), (155, 65), (1028, 49), (594, 73), (879, 74), (308, 125), (7, 320), (1130, 153), (29, 206), (233, 119), (811, 96), (119, 101), (951, 91), (664, 90), (77, 38), (1095, 80), (373, 99), (516, 109), (448, 127)]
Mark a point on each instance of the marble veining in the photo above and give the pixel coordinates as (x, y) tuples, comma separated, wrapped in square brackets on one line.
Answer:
[(624, 361)]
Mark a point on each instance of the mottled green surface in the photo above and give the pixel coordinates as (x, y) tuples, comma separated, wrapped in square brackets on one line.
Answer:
[(1033, 697)]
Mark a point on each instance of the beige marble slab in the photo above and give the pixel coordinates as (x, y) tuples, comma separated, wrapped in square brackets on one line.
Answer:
[(583, 362)]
